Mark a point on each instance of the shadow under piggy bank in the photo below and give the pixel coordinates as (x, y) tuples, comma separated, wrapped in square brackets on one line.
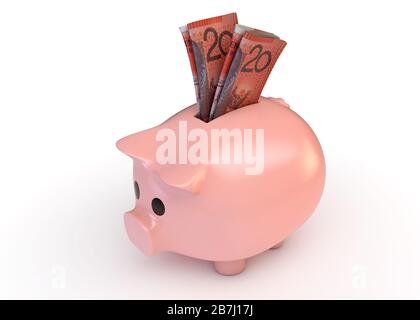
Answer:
[(225, 190)]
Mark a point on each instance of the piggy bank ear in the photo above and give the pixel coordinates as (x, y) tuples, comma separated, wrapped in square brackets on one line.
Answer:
[(187, 177), (142, 146)]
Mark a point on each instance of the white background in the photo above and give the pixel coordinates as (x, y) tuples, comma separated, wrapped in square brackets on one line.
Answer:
[(75, 76)]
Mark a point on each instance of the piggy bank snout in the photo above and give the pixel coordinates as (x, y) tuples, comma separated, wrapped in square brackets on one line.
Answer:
[(139, 232)]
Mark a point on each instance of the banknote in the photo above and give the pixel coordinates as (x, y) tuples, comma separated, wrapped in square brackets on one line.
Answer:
[(238, 33), (188, 44), (236, 39), (211, 39), (254, 59)]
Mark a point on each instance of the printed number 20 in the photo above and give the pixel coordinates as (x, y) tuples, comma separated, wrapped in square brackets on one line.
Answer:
[(257, 59), (217, 42)]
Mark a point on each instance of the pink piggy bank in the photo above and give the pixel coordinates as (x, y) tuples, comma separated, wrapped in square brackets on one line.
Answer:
[(225, 190)]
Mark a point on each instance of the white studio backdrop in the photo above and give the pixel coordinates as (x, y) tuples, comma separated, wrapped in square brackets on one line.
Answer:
[(75, 76)]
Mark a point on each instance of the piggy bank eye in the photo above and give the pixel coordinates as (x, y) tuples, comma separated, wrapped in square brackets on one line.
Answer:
[(136, 190), (158, 206)]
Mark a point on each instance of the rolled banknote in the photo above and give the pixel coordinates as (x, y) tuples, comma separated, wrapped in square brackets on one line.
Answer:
[(236, 39), (210, 42), (190, 52), (248, 72)]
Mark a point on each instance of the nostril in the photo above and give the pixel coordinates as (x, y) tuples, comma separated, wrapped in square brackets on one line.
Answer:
[(136, 190)]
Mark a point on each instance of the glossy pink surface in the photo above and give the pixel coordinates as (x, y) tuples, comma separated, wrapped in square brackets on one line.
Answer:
[(216, 212)]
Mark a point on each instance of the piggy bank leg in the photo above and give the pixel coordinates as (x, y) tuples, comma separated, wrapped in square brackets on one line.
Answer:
[(230, 268), (278, 245)]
